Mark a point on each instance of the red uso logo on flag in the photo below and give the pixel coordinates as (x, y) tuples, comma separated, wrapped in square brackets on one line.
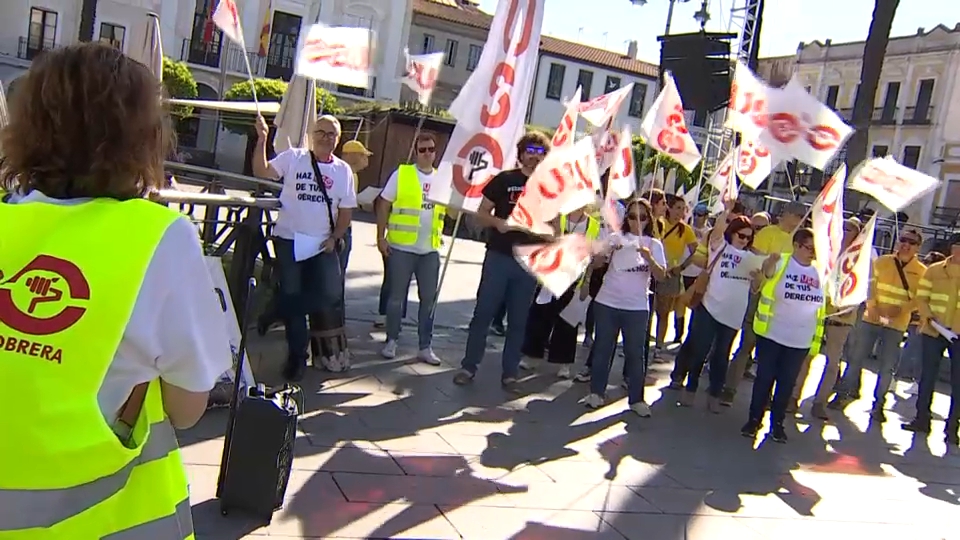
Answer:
[(337, 55), (746, 103), (748, 157), (787, 128), (425, 76), (847, 266), (670, 139)]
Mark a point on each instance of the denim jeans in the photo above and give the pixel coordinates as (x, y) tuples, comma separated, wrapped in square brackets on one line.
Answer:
[(610, 323), (777, 366), (911, 356), (708, 337), (868, 334), (502, 280), (748, 340), (306, 287), (498, 319), (385, 291), (403, 266), (933, 348)]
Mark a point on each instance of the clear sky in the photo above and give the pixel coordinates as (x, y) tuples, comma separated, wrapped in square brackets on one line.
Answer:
[(610, 24)]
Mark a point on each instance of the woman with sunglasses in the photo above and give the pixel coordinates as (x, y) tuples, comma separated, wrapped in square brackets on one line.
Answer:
[(719, 316), (622, 305), (788, 326)]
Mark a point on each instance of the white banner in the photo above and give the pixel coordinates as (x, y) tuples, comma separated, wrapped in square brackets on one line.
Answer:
[(227, 19), (827, 217), (890, 183), (215, 267), (747, 108), (565, 180), (556, 265), (340, 55), (665, 128), (567, 130), (421, 74), (754, 163), (607, 142), (622, 181), (490, 109), (800, 127), (850, 281), (602, 109)]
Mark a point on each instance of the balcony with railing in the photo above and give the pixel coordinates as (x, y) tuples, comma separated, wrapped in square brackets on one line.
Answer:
[(918, 116), (881, 116), (31, 46), (208, 53)]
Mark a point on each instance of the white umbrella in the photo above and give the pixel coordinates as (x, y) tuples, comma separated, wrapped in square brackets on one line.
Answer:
[(298, 111), (150, 53)]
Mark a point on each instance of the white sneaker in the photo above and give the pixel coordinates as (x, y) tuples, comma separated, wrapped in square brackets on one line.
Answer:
[(564, 372), (528, 363), (389, 349), (427, 356), (380, 321), (593, 401), (641, 409)]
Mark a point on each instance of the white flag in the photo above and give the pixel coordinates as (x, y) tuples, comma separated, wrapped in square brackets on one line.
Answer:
[(622, 181), (227, 19), (670, 184), (890, 183), (754, 163), (601, 109), (607, 142), (567, 130), (556, 265), (850, 281), (338, 55), (665, 128), (421, 74), (747, 108), (827, 217), (490, 109), (800, 127)]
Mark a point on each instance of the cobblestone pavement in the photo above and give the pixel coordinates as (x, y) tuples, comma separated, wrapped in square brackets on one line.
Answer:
[(393, 449)]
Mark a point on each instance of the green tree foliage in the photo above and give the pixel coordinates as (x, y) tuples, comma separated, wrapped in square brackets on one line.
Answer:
[(179, 83), (684, 178), (267, 90)]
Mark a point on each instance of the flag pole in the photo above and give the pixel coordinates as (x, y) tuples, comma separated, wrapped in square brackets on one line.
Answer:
[(446, 263)]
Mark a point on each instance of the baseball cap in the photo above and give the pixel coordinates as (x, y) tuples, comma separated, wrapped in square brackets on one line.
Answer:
[(795, 208), (355, 147), (700, 209)]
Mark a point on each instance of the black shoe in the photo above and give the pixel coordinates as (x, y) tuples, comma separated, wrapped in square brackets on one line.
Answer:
[(877, 414), (498, 330), (295, 370), (750, 429), (778, 434), (916, 426), (838, 403)]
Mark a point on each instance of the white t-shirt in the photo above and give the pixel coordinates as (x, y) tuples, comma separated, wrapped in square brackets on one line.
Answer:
[(727, 296), (176, 329), (629, 288), (797, 298), (303, 209), (425, 235), (693, 270)]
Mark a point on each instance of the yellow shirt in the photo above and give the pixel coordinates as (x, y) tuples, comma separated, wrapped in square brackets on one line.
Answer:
[(938, 296), (886, 289), (676, 238), (773, 239)]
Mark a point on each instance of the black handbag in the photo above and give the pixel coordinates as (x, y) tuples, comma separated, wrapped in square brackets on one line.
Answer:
[(340, 244)]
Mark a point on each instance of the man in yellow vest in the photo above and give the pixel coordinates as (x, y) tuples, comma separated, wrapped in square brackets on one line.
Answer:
[(408, 236), (938, 301), (890, 301)]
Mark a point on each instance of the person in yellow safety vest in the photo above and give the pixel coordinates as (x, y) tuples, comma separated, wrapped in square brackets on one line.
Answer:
[(110, 328), (408, 236), (546, 329), (891, 300), (837, 326), (938, 301), (788, 326)]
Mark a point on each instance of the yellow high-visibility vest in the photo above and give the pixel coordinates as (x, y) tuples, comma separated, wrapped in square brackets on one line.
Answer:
[(64, 473), (940, 291), (403, 225), (593, 227), (767, 303)]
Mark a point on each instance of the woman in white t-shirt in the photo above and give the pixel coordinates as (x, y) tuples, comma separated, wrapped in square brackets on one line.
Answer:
[(791, 285), (719, 316), (621, 305)]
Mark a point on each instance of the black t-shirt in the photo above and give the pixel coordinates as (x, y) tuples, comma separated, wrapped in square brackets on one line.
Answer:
[(503, 190)]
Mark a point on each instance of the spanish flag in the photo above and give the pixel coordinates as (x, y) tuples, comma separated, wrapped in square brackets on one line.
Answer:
[(265, 31)]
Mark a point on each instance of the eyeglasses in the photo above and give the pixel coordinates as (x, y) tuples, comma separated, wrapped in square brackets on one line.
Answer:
[(427, 149), (637, 217), (536, 150), (910, 241), (746, 237), (326, 134), (808, 247)]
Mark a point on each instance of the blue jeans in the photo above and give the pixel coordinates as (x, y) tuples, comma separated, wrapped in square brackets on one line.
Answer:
[(933, 348), (911, 357), (306, 287), (708, 337), (403, 266), (611, 322), (385, 291), (778, 366), (502, 280), (869, 334)]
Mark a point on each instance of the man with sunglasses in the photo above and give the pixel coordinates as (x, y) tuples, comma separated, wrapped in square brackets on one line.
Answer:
[(502, 278), (891, 300), (408, 236)]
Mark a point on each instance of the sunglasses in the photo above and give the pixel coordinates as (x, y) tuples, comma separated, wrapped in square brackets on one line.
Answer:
[(427, 149), (746, 237), (637, 217), (537, 150), (911, 241)]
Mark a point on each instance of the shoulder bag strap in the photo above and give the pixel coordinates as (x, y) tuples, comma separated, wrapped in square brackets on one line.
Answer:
[(318, 179), (715, 259), (903, 277), (675, 227)]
